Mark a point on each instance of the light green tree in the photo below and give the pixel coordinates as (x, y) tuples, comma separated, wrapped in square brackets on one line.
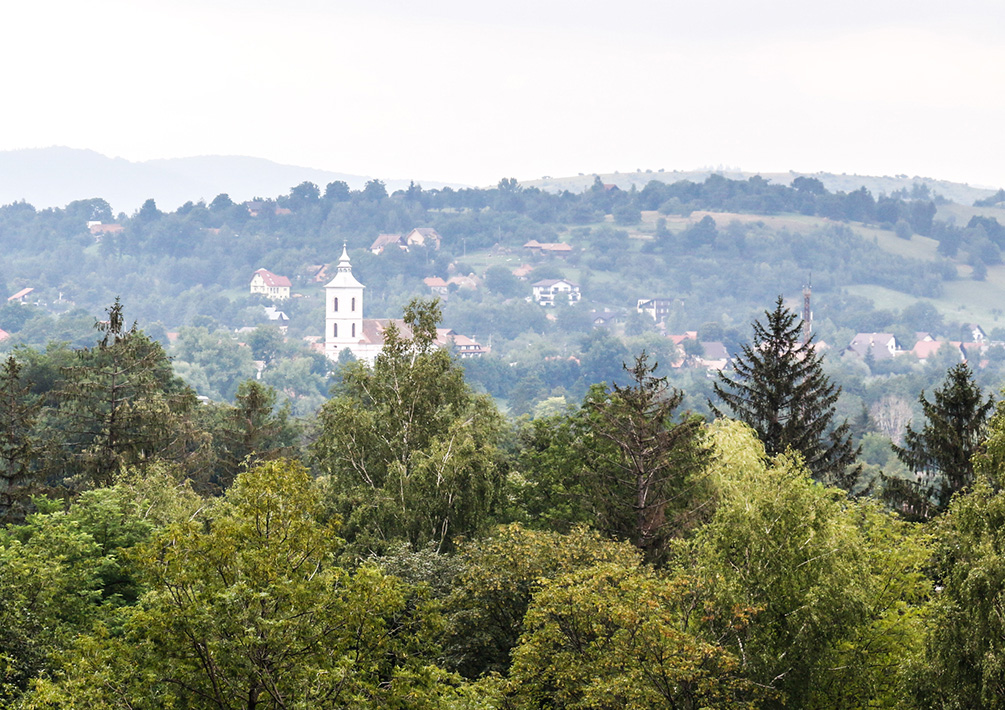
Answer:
[(245, 608), (408, 450), (837, 585), (622, 637)]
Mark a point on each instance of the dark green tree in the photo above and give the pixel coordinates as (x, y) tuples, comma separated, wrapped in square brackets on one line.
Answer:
[(645, 467), (119, 405), (19, 444), (780, 390), (942, 451)]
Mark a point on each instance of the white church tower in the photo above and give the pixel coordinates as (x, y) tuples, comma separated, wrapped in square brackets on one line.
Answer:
[(344, 311)]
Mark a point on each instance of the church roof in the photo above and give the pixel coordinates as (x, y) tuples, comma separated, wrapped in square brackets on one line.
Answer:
[(343, 275)]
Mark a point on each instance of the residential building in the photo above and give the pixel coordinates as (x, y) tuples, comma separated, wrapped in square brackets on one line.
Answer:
[(881, 346), (423, 237), (270, 285), (546, 292), (657, 308), (386, 241)]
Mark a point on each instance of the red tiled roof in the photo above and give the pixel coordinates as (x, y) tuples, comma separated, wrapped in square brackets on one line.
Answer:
[(273, 280), (21, 294), (385, 240), (106, 228)]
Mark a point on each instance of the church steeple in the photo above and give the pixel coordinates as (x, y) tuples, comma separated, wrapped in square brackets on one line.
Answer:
[(343, 309)]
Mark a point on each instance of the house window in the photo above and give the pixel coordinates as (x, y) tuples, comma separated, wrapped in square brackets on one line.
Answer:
[(353, 306), (335, 330), (335, 303), (354, 330)]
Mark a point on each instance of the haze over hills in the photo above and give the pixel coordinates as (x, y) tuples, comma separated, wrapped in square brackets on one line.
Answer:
[(962, 193), (56, 176)]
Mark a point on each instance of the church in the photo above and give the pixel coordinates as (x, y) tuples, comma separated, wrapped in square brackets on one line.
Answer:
[(347, 329)]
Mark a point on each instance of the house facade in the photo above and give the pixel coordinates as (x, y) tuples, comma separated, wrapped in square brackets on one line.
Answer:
[(656, 308), (550, 291), (270, 285)]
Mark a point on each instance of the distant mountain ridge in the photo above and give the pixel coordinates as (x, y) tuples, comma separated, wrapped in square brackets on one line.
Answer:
[(56, 176)]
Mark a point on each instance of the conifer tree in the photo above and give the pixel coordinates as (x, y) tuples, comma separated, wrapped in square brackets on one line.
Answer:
[(19, 445), (780, 390), (942, 451), (119, 405), (644, 467)]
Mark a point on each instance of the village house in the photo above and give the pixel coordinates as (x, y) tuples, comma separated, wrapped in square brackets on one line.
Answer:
[(523, 271), (656, 308), (387, 241), (437, 286), (20, 296), (924, 349), (423, 237), (548, 248), (547, 291), (98, 230), (880, 346), (347, 329), (270, 285), (606, 317)]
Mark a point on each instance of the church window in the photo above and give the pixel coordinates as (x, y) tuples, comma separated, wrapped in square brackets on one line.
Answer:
[(335, 303), (353, 305), (354, 330), (335, 330)]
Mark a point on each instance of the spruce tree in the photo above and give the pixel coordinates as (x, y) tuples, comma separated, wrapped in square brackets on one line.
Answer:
[(780, 390), (645, 468), (942, 451), (19, 445)]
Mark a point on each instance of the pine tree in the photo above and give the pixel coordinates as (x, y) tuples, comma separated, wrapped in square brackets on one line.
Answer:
[(780, 390), (942, 451)]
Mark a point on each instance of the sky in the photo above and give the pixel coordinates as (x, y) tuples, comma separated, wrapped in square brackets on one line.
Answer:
[(470, 92)]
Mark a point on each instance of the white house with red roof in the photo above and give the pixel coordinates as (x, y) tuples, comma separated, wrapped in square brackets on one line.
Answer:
[(270, 285)]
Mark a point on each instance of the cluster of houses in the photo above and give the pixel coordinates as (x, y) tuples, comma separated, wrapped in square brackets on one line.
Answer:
[(425, 237), (878, 347)]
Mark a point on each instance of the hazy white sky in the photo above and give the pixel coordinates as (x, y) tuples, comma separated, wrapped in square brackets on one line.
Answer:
[(468, 91)]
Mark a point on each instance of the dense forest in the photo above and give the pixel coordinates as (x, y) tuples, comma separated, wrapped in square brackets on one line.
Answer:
[(412, 547)]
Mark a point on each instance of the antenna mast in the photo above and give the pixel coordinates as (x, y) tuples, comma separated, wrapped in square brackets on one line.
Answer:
[(807, 312)]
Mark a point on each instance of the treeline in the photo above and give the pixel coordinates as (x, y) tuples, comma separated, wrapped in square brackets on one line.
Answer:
[(411, 548), (159, 260)]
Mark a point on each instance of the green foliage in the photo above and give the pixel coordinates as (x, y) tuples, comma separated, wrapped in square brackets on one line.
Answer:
[(119, 405), (962, 663), (780, 390), (836, 585), (64, 570), (244, 606), (942, 452), (616, 636), (645, 470), (499, 576), (409, 452), (19, 444)]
